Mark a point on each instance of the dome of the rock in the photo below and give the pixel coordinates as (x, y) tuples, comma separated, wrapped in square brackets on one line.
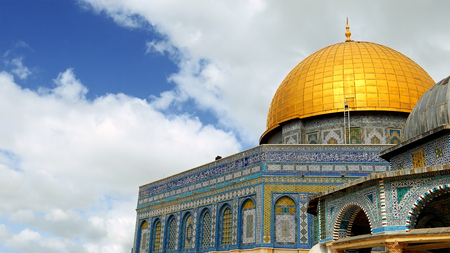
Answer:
[(367, 76)]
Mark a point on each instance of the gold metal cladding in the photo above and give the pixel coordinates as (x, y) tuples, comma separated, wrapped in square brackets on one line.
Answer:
[(378, 78), (348, 33)]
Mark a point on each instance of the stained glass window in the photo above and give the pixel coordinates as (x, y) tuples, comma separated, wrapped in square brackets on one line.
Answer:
[(171, 240), (226, 226), (206, 231), (157, 236), (144, 238), (188, 232)]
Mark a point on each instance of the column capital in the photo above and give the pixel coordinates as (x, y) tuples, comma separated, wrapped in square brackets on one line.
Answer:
[(395, 247)]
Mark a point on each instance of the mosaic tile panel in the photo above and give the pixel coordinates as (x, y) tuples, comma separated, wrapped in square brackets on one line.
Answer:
[(418, 159), (268, 189), (226, 226), (385, 121), (157, 236), (291, 139), (213, 225), (401, 162), (395, 135), (163, 227), (194, 229), (312, 138), (145, 238), (285, 221), (374, 135), (303, 223), (188, 233), (439, 151), (430, 184), (200, 202), (236, 167), (248, 222), (259, 214), (235, 222), (332, 136), (354, 135), (397, 204)]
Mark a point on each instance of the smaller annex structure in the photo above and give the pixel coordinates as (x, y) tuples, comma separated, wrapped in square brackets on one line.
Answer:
[(256, 200), (406, 209)]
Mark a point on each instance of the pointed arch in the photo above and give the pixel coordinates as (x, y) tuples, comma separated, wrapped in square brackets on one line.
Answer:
[(248, 222), (144, 238), (205, 229), (188, 232), (171, 234), (156, 236), (346, 218), (225, 224), (422, 201), (285, 210)]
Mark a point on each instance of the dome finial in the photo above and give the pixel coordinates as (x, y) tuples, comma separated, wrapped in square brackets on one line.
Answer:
[(348, 33)]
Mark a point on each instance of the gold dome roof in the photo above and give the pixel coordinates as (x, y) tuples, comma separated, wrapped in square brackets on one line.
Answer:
[(369, 76)]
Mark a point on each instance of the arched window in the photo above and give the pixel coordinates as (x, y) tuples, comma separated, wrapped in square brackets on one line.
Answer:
[(188, 232), (171, 234), (205, 225), (143, 245), (248, 222), (226, 223), (285, 221), (157, 236)]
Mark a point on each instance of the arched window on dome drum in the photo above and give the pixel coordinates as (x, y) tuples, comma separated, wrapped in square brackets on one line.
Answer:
[(144, 242), (188, 232), (285, 221), (248, 222), (205, 240), (171, 235), (225, 225), (157, 237)]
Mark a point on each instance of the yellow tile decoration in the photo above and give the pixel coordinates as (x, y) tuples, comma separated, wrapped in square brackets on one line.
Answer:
[(144, 224), (285, 201), (156, 246), (269, 188), (377, 77), (418, 159), (248, 204), (226, 229)]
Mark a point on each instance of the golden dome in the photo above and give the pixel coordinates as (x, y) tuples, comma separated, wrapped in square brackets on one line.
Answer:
[(369, 76)]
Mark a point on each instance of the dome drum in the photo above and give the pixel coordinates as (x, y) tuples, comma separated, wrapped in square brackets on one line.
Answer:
[(371, 127)]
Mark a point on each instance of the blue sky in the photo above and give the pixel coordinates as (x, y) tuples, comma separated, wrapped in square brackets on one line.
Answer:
[(98, 97), (52, 36)]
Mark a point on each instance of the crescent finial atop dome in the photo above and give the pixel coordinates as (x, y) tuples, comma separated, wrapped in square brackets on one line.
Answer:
[(348, 33)]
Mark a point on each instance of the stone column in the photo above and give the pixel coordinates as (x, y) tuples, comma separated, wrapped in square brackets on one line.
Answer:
[(395, 247)]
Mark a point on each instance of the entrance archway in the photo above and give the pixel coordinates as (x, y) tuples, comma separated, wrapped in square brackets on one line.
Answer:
[(352, 221), (431, 210)]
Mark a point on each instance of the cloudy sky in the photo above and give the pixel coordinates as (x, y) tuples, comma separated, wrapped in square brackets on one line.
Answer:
[(98, 97)]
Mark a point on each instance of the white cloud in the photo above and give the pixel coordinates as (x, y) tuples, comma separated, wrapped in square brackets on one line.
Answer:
[(70, 168), (233, 55), (20, 70), (66, 162)]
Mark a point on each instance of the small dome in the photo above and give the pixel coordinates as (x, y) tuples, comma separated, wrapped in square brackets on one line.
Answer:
[(368, 76), (431, 111)]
